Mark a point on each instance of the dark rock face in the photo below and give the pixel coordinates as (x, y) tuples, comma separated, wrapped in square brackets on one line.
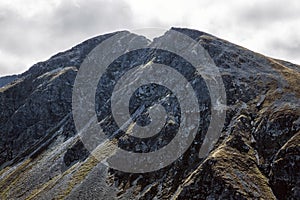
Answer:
[(284, 175), (7, 79), (256, 157), (75, 153), (38, 100)]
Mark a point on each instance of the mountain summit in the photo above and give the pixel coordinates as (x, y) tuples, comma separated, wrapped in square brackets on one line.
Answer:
[(257, 155)]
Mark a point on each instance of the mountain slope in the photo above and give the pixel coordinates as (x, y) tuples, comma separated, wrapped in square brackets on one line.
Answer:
[(256, 157)]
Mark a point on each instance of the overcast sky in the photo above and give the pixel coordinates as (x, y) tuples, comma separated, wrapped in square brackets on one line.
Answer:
[(34, 30)]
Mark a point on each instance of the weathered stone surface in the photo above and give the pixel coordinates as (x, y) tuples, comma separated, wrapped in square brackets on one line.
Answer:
[(7, 79), (284, 175), (256, 157)]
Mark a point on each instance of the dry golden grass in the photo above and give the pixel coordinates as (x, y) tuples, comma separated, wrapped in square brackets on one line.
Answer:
[(11, 178), (291, 76)]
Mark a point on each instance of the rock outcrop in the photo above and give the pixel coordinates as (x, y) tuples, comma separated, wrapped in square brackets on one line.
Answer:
[(256, 157)]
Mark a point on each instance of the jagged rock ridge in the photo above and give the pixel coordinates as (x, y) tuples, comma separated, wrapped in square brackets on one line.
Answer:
[(257, 156)]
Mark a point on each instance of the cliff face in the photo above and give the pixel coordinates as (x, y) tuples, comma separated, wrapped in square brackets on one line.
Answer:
[(256, 157), (7, 79)]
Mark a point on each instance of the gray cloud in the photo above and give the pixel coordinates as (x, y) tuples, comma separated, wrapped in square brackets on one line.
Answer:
[(286, 47), (28, 37), (41, 35), (265, 13), (90, 17), (271, 27)]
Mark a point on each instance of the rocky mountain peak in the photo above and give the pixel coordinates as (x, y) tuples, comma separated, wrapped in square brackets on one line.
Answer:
[(256, 156)]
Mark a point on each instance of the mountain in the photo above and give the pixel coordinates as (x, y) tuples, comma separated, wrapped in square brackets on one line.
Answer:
[(7, 79), (257, 155)]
